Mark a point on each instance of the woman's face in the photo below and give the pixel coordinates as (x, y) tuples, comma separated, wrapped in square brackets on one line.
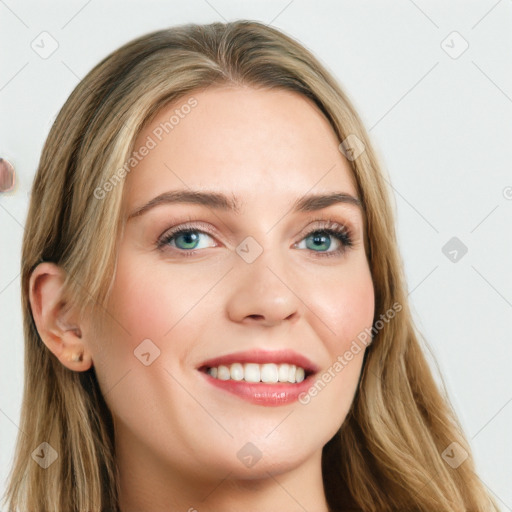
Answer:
[(261, 285)]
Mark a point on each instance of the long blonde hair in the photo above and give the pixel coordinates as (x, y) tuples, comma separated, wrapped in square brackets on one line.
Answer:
[(387, 455)]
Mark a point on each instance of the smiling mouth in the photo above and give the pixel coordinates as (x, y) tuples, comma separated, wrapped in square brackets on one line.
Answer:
[(262, 377), (268, 373)]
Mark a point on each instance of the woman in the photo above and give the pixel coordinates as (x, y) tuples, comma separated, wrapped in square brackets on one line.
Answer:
[(215, 312)]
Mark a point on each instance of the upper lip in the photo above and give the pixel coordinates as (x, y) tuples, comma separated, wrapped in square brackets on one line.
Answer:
[(262, 357)]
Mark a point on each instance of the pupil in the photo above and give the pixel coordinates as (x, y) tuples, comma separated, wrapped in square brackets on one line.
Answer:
[(320, 239), (189, 238)]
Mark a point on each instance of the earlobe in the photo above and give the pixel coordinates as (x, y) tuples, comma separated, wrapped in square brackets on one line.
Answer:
[(59, 330)]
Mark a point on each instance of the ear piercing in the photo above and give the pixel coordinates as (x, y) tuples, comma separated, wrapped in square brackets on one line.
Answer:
[(77, 358)]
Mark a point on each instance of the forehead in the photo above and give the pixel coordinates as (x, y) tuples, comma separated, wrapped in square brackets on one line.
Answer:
[(250, 142)]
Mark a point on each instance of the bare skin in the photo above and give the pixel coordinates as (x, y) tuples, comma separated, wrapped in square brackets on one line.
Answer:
[(178, 437)]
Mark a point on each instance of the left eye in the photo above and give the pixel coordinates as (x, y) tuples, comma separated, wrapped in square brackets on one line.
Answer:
[(322, 240)]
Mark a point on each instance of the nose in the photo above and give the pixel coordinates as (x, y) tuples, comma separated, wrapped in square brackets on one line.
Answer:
[(263, 293)]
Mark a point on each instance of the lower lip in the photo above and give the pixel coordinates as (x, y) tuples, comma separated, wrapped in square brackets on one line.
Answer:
[(261, 393)]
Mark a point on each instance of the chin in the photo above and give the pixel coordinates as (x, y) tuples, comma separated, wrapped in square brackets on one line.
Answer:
[(251, 457)]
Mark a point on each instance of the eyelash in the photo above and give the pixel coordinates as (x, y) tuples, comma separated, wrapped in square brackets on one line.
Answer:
[(329, 227)]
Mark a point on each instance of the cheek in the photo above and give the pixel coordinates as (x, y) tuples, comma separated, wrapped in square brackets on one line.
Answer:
[(345, 303), (148, 301), (342, 308)]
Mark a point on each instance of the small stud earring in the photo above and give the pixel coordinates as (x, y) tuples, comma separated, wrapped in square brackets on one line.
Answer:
[(77, 358)]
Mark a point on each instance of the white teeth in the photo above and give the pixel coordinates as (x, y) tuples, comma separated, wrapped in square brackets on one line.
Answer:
[(253, 372), (269, 372), (223, 373), (283, 372), (237, 371), (291, 373)]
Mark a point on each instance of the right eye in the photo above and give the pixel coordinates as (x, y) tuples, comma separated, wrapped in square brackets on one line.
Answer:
[(185, 239)]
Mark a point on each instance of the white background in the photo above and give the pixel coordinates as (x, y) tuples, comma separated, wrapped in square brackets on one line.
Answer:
[(441, 125)]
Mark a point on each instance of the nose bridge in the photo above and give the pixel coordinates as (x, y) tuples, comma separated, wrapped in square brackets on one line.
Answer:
[(262, 289)]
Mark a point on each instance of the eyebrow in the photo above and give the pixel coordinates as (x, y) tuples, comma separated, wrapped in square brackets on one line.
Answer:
[(218, 201)]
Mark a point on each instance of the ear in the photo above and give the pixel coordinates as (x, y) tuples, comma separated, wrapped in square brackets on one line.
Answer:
[(56, 322)]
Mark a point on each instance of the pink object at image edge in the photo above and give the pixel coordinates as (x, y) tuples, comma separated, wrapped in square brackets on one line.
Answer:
[(7, 176)]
